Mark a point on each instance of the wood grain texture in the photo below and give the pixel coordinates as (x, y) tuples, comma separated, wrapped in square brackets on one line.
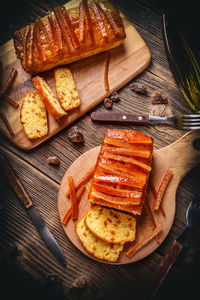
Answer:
[(127, 61), (42, 181)]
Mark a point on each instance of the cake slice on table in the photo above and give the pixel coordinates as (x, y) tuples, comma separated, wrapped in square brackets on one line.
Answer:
[(66, 89), (33, 116), (50, 100), (122, 171)]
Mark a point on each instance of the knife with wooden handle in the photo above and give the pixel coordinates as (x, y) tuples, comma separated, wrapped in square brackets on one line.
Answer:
[(118, 117), (188, 236), (32, 211)]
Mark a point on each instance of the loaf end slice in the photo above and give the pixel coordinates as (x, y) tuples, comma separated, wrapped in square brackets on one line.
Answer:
[(33, 116), (66, 89), (95, 246), (51, 102)]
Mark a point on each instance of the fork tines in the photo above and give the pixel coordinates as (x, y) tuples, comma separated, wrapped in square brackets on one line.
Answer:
[(190, 122)]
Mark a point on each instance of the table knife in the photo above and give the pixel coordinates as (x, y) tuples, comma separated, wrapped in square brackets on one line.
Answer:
[(32, 211), (189, 236)]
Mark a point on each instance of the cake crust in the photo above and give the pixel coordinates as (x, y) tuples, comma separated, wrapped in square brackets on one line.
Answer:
[(68, 35)]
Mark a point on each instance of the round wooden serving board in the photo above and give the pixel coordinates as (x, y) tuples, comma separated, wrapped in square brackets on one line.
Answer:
[(180, 157)]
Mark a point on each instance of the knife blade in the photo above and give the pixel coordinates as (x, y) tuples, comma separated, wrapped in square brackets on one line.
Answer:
[(32, 211), (125, 118)]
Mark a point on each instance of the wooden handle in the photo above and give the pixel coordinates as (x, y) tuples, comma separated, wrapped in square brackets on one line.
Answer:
[(164, 267), (14, 182), (119, 117)]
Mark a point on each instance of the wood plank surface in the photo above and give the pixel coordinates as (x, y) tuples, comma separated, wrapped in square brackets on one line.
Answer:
[(27, 272)]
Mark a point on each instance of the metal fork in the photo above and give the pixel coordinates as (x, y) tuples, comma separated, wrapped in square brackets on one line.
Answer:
[(185, 122)]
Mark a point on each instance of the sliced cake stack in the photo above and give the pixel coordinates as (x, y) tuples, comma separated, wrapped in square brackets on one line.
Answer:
[(117, 193), (122, 170)]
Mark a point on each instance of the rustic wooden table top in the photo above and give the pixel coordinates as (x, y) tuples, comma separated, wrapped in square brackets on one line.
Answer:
[(25, 261)]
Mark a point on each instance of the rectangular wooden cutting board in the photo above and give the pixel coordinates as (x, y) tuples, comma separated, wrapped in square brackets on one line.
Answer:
[(127, 61)]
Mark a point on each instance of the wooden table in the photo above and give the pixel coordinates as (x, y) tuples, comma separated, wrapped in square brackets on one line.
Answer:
[(25, 262)]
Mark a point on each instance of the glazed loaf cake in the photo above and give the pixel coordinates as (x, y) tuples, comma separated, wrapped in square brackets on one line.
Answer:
[(122, 171), (68, 35)]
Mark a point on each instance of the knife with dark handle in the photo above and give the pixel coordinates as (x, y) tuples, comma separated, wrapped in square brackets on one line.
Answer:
[(32, 211), (193, 222), (119, 117)]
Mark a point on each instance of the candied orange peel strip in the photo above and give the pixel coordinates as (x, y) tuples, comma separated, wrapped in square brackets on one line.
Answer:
[(128, 160), (161, 190), (124, 168), (130, 152), (115, 199), (95, 8), (151, 218), (89, 21), (154, 193), (117, 191), (106, 69), (81, 21), (73, 198), (129, 136), (132, 250), (69, 212), (47, 34), (124, 144), (55, 29), (86, 177), (119, 177), (58, 11), (70, 28), (109, 18)]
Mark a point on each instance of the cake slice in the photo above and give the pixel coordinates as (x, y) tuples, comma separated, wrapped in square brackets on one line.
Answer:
[(111, 226), (51, 102), (95, 246), (33, 116), (66, 89), (122, 171)]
